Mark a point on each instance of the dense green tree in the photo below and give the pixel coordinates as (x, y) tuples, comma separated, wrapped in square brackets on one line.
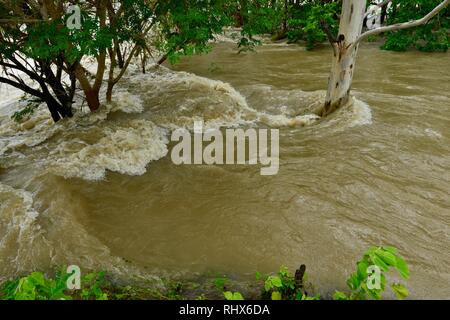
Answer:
[(37, 41), (30, 47), (312, 20), (186, 27), (434, 36)]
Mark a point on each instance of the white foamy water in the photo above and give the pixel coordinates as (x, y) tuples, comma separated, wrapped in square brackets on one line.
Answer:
[(283, 120), (124, 149), (89, 145)]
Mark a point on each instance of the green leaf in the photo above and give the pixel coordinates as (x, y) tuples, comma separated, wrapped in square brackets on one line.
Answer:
[(102, 296), (233, 296), (362, 270), (276, 282), (353, 282), (390, 249), (387, 257), (400, 291), (379, 262), (220, 283), (273, 282), (37, 278), (237, 296), (305, 297), (276, 295), (228, 295), (371, 251), (402, 267), (284, 272), (383, 282), (338, 295), (268, 285), (375, 294)]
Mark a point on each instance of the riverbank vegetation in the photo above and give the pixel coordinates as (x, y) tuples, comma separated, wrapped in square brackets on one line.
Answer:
[(367, 282), (311, 22)]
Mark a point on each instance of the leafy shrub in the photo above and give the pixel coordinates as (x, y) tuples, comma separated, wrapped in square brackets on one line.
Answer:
[(32, 105), (433, 36), (280, 286), (233, 295), (37, 286), (306, 20), (285, 286), (384, 258)]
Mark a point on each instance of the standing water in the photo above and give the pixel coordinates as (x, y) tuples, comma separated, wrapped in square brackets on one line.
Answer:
[(101, 191)]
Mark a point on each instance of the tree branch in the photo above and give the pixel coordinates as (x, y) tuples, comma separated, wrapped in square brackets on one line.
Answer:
[(22, 87), (406, 25), (125, 67), (162, 59), (331, 38), (326, 29)]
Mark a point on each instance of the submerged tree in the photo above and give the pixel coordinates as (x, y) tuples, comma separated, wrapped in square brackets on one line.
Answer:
[(38, 42), (29, 49), (346, 44), (42, 54)]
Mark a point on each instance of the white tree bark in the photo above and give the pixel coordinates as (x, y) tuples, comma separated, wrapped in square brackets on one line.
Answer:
[(406, 25), (345, 49), (344, 55)]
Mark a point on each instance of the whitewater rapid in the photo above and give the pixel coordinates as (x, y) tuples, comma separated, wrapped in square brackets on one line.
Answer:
[(89, 145)]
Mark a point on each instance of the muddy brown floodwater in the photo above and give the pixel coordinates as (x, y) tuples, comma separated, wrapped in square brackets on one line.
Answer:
[(101, 191)]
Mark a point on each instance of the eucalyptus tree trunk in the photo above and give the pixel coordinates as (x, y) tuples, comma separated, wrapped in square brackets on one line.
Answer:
[(344, 55), (345, 48)]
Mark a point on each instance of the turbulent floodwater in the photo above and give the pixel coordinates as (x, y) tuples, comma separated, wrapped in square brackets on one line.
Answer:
[(101, 191)]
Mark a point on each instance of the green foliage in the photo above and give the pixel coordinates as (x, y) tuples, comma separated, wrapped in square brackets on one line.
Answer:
[(302, 21), (400, 291), (283, 286), (384, 258), (434, 36), (260, 17), (372, 38), (47, 39), (220, 283), (32, 105), (37, 286), (280, 286), (286, 19), (233, 295), (174, 291), (187, 27), (306, 20), (92, 284), (176, 28), (46, 50)]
